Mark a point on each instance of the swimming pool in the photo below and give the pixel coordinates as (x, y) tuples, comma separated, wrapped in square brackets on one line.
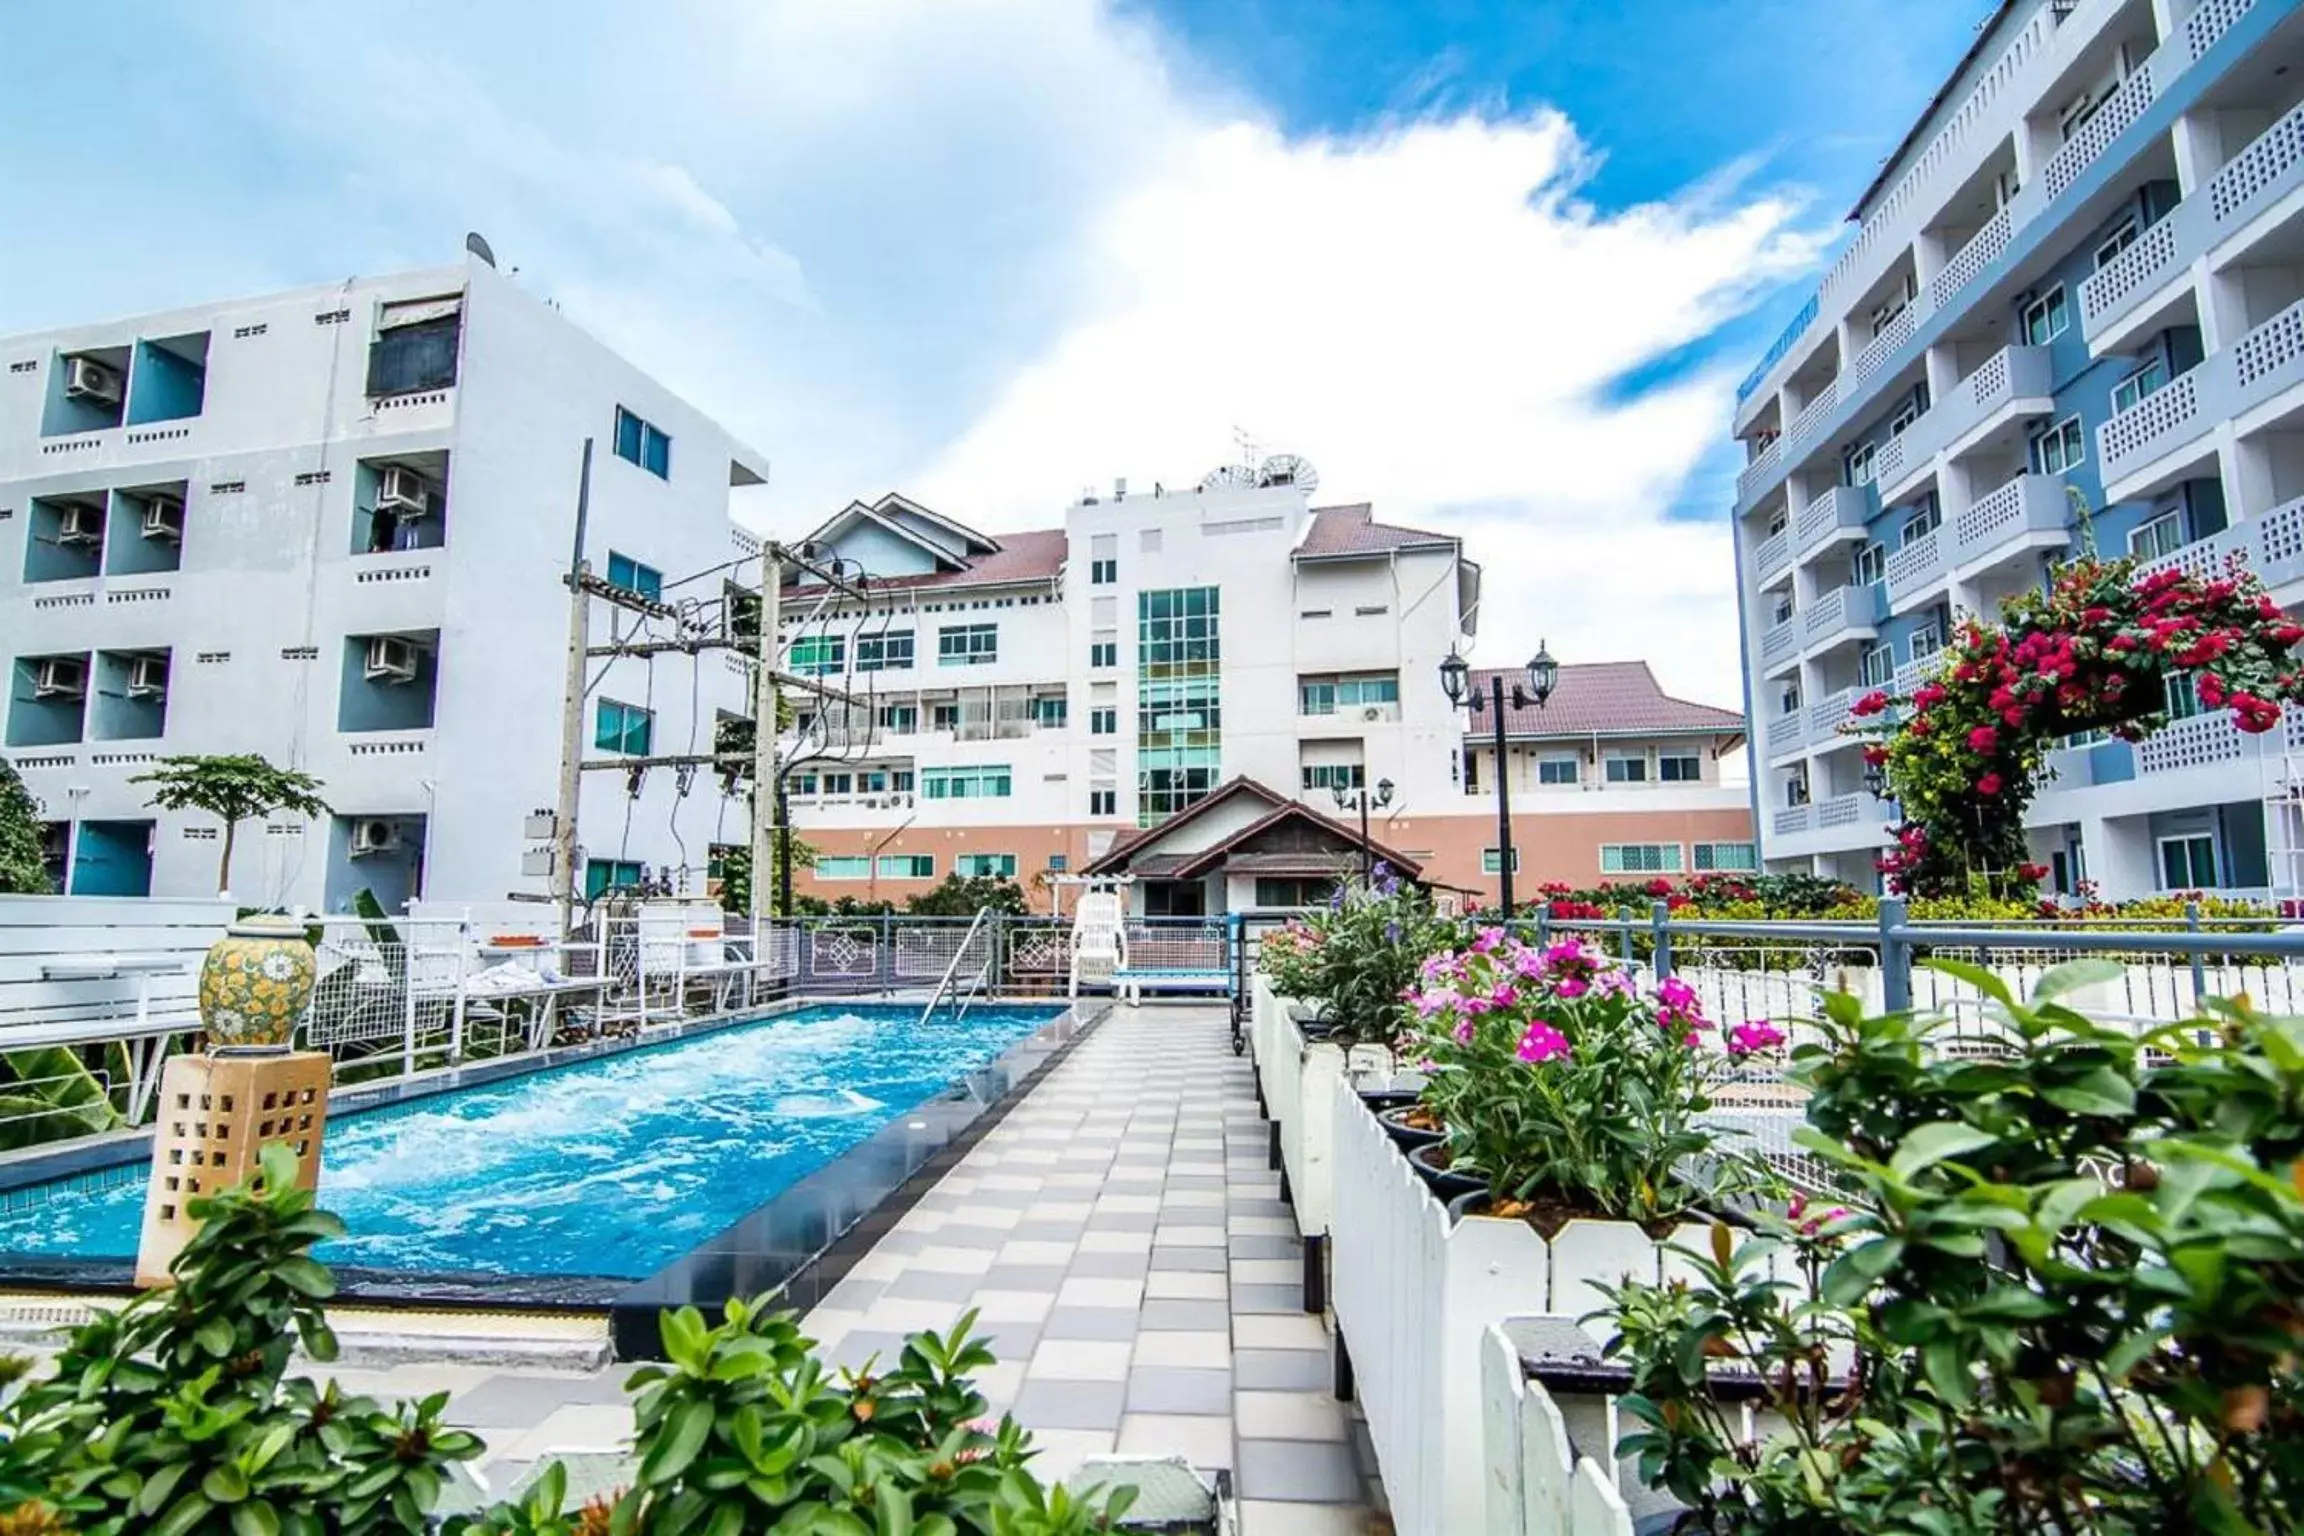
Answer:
[(608, 1167)]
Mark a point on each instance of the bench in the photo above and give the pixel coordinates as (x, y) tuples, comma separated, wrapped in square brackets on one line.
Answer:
[(1131, 981), (86, 970)]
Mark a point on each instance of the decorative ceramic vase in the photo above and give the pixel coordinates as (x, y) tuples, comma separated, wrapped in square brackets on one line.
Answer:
[(254, 985)]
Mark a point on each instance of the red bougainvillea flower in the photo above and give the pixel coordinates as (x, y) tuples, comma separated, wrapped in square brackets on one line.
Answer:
[(2211, 690), (1927, 694), (1871, 704), (1988, 785), (1983, 740), (1875, 754), (2033, 871)]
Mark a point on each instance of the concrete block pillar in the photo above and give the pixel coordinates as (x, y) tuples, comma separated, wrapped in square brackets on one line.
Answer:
[(215, 1115)]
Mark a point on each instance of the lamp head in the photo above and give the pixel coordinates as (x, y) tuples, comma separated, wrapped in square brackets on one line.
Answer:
[(1453, 672), (1543, 673), (1383, 791)]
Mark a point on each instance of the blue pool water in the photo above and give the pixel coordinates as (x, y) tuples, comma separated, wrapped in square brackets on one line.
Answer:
[(608, 1167)]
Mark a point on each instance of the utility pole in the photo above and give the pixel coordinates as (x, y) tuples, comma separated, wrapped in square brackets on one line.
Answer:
[(572, 705), (767, 705)]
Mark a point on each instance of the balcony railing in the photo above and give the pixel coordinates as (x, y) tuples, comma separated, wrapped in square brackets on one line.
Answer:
[(1849, 811), (1843, 613), (2199, 742), (1840, 512), (1916, 568), (2001, 519), (2259, 176), (1828, 714), (1791, 820), (1773, 555), (1912, 674), (1787, 733), (2272, 546), (1780, 643), (2225, 384), (1759, 470)]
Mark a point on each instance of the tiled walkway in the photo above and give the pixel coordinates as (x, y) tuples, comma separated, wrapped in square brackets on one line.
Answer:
[(1126, 1248)]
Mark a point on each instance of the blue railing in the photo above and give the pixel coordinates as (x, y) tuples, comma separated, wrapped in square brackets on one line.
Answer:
[(1784, 344)]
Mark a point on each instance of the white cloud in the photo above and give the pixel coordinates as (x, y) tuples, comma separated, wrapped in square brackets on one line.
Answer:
[(1433, 316)]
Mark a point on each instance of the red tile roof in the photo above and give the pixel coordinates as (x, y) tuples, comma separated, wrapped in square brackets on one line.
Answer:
[(1036, 555), (1604, 698), (1353, 530)]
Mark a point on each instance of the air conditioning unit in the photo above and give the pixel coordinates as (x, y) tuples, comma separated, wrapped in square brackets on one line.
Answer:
[(164, 519), (79, 523), (87, 379), (148, 677), (1372, 712), (61, 677), (390, 660), (402, 492), (374, 835)]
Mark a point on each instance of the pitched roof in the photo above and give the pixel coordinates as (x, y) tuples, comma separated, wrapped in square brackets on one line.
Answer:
[(1208, 860), (1201, 861), (1036, 555), (1353, 530), (1601, 698), (1239, 784)]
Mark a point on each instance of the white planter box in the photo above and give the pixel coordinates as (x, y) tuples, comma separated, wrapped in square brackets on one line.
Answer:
[(1414, 1293), (1547, 1476), (1299, 1079)]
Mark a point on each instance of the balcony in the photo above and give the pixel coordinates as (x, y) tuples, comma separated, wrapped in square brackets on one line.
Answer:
[(1792, 820), (2199, 742), (1773, 556), (1787, 734), (1839, 616), (2256, 179), (2029, 512), (1858, 810), (1837, 516), (1780, 644), (1917, 571), (1833, 825), (1912, 674), (1828, 714), (2272, 546), (1759, 471), (2227, 383)]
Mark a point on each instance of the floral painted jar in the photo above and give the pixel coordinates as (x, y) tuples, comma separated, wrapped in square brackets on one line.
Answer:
[(255, 983)]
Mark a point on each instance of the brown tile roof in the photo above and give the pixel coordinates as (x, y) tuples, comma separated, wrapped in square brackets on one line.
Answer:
[(1115, 857), (1353, 530), (1604, 698), (1208, 859), (1035, 555)]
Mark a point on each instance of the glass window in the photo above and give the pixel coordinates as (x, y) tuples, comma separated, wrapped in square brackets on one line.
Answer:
[(979, 866), (2179, 695), (1915, 404), (967, 645), (1103, 573), (843, 866), (884, 653), (900, 719), (1680, 768), (1101, 802), (1626, 768), (628, 430), (1492, 861), (1104, 721), (2137, 385), (2157, 536), (1920, 522), (1104, 653), (1335, 775), (1559, 768), (907, 866), (623, 728), (2114, 243), (1640, 858), (815, 655), (2188, 863), (1869, 566), (1926, 641), (604, 875), (900, 780), (1717, 858), (1292, 891), (632, 576), (2059, 448), (1875, 666), (638, 442), (1856, 465), (2045, 317), (1050, 712), (1179, 698), (978, 783)]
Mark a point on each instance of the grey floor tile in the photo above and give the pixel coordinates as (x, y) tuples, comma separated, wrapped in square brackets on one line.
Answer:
[(1090, 1323), (1179, 1389), (1111, 1266), (1046, 1404), (522, 1399), (1209, 1316), (1282, 1370), (932, 1285), (1259, 1246), (1023, 1277), (1205, 1260), (1298, 1471), (862, 1344), (1267, 1298), (853, 1294)]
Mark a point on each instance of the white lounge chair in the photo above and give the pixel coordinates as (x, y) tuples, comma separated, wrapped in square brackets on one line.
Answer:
[(1099, 940)]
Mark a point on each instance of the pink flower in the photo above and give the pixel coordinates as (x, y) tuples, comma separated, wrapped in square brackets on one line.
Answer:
[(1573, 986), (1988, 785), (1464, 1032), (1542, 1043), (1983, 739), (1488, 940), (1753, 1035), (1871, 704), (1504, 996)]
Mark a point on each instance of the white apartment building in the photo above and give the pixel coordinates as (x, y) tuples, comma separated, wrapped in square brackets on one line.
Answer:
[(1025, 701), (2078, 282), (332, 527)]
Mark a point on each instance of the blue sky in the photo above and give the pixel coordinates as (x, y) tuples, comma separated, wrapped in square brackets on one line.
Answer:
[(1495, 266)]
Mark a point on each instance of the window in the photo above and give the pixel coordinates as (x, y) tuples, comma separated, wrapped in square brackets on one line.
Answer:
[(943, 717), (1327, 695), (1780, 612), (2188, 863), (1920, 522), (639, 442), (1869, 566), (907, 866), (900, 719), (1726, 858), (2114, 243), (1179, 698), (604, 875), (839, 784), (968, 645), (1335, 775), (1626, 767), (415, 346), (900, 780), (632, 576), (1558, 768), (872, 781), (979, 783), (1640, 858), (1102, 802), (1680, 768), (1292, 891), (623, 728), (1875, 667), (2138, 384), (1371, 611), (1789, 699), (1492, 861), (980, 866), (1926, 641), (2162, 535), (1856, 465), (1104, 721), (2179, 695), (1103, 573), (2045, 317), (1104, 653), (815, 655), (843, 867), (803, 785), (1915, 404), (884, 653), (2059, 448)]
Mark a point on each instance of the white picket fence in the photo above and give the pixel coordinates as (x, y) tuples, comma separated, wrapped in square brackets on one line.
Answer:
[(1547, 1474)]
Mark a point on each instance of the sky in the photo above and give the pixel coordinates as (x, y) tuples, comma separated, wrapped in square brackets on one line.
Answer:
[(1493, 265)]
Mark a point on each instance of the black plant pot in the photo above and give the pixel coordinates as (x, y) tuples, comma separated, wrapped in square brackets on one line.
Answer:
[(1406, 1137), (1443, 1183)]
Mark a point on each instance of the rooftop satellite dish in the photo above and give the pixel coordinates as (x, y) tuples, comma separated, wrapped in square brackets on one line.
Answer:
[(1289, 469), (479, 247), (1229, 477)]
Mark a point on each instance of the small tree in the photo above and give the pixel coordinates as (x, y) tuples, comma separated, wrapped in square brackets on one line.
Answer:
[(231, 787), (966, 895), (23, 864)]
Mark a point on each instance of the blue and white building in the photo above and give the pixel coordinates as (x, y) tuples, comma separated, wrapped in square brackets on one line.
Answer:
[(2072, 310)]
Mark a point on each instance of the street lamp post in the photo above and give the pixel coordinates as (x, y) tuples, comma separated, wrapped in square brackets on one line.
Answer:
[(1543, 673), (1359, 799)]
